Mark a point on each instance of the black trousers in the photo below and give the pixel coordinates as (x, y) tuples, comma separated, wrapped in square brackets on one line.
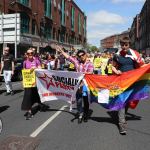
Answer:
[(85, 106), (30, 97)]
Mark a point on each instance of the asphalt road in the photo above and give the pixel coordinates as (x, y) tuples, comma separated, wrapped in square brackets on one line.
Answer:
[(59, 130)]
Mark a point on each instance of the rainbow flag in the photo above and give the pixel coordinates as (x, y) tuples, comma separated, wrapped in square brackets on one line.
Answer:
[(113, 92)]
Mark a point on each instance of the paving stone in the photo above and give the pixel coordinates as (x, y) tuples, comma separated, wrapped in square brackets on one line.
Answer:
[(15, 142)]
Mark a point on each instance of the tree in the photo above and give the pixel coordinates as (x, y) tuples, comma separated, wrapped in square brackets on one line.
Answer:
[(91, 48), (94, 49)]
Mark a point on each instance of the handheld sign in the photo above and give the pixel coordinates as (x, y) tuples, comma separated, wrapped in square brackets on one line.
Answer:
[(28, 78)]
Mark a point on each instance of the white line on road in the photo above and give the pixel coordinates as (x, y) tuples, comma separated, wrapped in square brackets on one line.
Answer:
[(40, 128)]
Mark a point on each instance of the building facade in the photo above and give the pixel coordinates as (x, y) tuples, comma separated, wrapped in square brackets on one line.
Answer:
[(134, 33), (47, 21), (112, 43), (140, 31)]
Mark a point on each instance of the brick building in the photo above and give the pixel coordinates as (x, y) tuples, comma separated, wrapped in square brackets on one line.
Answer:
[(47, 21), (141, 36), (134, 33), (111, 43), (108, 42)]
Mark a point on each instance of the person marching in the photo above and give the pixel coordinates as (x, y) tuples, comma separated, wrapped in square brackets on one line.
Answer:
[(7, 66), (31, 95), (126, 60), (82, 64), (97, 64), (109, 67)]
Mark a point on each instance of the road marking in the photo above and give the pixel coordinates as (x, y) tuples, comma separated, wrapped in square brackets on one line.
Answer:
[(40, 128), (12, 85)]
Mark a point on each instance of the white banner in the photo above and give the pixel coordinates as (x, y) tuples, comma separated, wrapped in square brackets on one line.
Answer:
[(57, 85)]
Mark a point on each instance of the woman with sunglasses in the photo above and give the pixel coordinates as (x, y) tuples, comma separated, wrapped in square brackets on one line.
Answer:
[(126, 60), (31, 95), (82, 64)]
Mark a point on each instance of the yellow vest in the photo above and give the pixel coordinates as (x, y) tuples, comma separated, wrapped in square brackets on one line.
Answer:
[(109, 67), (97, 62)]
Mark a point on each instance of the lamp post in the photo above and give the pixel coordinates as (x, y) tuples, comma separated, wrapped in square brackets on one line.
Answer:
[(4, 6)]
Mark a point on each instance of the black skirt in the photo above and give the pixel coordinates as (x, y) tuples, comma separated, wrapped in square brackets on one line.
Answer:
[(31, 97)]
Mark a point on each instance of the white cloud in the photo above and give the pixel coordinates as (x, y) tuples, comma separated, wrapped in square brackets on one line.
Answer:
[(94, 36), (128, 1), (103, 17), (101, 24)]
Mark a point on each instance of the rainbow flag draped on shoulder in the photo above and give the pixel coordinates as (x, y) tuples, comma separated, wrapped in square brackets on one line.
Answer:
[(113, 92)]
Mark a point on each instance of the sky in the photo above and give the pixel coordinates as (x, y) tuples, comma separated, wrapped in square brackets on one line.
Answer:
[(108, 17)]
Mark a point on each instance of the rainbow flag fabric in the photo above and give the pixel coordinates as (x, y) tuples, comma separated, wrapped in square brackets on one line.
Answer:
[(115, 91)]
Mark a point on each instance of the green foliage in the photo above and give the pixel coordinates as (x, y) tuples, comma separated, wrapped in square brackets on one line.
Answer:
[(92, 48)]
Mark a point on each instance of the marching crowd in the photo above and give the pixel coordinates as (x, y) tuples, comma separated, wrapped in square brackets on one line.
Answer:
[(81, 61)]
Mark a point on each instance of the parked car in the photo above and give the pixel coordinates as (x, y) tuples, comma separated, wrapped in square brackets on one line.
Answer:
[(18, 70)]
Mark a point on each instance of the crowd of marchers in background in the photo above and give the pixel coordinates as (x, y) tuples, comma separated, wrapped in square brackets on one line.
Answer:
[(102, 61)]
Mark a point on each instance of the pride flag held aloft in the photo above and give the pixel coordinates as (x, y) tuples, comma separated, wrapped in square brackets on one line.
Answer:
[(113, 92)]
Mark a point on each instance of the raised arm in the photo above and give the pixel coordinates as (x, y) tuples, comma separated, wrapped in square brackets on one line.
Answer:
[(60, 49)]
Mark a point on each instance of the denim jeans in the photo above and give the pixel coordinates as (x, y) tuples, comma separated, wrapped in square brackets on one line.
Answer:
[(62, 66)]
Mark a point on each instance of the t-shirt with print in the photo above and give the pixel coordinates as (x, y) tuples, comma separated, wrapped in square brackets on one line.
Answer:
[(7, 59), (27, 64)]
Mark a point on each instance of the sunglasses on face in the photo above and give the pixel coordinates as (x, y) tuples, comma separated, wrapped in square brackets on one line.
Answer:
[(30, 54), (124, 44), (80, 55)]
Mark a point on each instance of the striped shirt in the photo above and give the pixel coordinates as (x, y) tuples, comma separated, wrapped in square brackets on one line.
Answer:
[(87, 67)]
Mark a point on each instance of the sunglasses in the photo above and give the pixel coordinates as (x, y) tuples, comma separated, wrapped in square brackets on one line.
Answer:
[(81, 55), (124, 44), (29, 54)]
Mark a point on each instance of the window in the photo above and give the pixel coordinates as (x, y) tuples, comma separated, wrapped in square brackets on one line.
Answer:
[(48, 33), (63, 12), (54, 34), (72, 18), (79, 23), (33, 27), (25, 23), (48, 8), (24, 2), (72, 40), (62, 37), (84, 26)]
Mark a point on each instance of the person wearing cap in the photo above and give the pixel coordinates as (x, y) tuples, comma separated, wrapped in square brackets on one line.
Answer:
[(82, 64), (7, 66), (126, 60)]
